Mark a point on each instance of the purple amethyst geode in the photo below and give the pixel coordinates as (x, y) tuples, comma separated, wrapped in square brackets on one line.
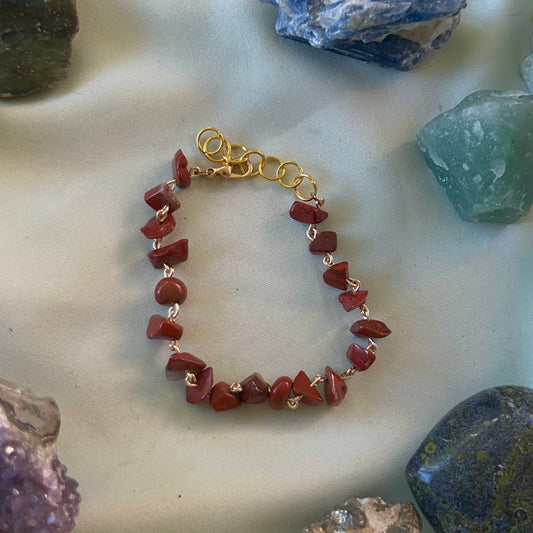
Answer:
[(35, 493)]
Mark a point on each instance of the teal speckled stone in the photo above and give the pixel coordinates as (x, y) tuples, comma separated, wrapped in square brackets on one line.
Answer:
[(527, 72), (473, 473), (481, 152)]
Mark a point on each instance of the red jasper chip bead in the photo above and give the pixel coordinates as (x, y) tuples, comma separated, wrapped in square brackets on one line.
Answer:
[(222, 399), (180, 363), (360, 357), (280, 392), (154, 229), (160, 196), (370, 328), (335, 388), (170, 291), (160, 327), (307, 213), (254, 389), (171, 255), (325, 242), (204, 383), (302, 385), (182, 176), (352, 300), (336, 275)]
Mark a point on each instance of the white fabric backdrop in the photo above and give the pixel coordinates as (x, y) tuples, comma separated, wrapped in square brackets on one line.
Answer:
[(77, 290)]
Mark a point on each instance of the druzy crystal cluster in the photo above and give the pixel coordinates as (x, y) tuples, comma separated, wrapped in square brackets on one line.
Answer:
[(35, 493), (394, 33)]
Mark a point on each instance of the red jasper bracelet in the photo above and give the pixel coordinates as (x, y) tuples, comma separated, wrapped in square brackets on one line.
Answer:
[(173, 292)]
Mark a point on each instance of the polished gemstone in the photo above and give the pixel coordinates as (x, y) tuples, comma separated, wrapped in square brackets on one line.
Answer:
[(171, 255), (181, 363), (481, 154), (302, 385), (335, 388), (325, 242), (160, 196), (309, 214), (35, 44), (170, 291), (160, 327), (392, 33), (204, 383), (254, 389), (154, 229), (222, 399), (181, 173), (336, 276), (370, 328), (352, 300), (360, 357), (474, 470), (280, 392)]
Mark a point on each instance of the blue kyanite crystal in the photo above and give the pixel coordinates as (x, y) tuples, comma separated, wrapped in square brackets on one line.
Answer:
[(527, 72), (394, 33), (473, 473), (481, 152)]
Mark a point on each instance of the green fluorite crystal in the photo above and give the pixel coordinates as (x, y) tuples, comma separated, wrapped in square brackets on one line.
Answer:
[(35, 44), (481, 152)]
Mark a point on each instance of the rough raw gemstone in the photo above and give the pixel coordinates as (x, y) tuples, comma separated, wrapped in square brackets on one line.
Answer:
[(154, 229), (254, 389), (204, 383), (35, 44), (35, 493), (360, 357), (370, 328), (160, 196), (325, 242), (368, 515), (352, 300), (161, 328), (171, 255), (481, 152), (474, 470), (181, 173), (280, 392), (169, 291), (392, 33), (302, 385), (335, 388), (309, 214), (336, 276), (222, 399), (526, 70), (181, 363)]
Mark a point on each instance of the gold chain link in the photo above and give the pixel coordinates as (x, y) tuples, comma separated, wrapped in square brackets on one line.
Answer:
[(217, 148)]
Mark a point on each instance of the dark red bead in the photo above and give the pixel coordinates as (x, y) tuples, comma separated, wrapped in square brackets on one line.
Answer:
[(181, 173), (306, 213), (254, 389), (181, 363), (160, 327), (222, 399), (160, 196), (360, 357), (336, 276), (325, 242), (157, 230), (351, 300), (302, 385), (204, 383), (280, 392), (334, 387), (170, 291), (370, 328), (171, 255)]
